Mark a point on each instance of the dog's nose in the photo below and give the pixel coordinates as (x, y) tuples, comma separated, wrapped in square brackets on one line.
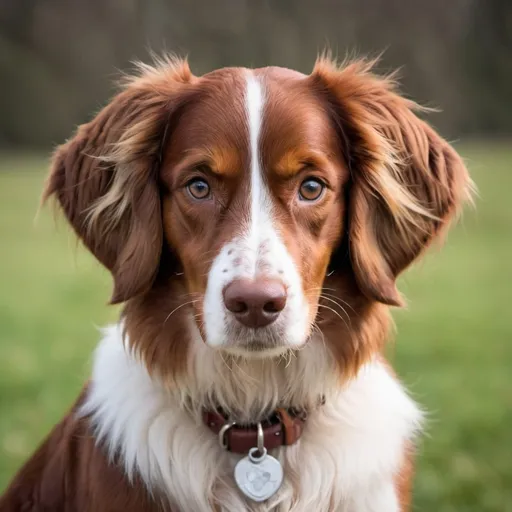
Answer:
[(255, 303)]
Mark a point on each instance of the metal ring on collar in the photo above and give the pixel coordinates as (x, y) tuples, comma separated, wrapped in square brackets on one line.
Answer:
[(222, 439), (261, 439)]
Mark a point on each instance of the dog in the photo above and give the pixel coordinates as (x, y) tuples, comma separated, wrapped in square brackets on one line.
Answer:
[(254, 222)]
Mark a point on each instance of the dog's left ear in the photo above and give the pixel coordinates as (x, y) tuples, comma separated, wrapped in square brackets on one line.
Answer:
[(406, 181), (106, 178)]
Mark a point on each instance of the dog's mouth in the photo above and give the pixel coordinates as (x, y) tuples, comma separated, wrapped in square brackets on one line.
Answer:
[(267, 342)]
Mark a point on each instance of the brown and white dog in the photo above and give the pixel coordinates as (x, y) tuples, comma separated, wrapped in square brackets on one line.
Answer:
[(254, 222)]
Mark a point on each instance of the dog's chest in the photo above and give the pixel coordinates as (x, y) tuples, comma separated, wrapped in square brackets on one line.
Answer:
[(346, 459), (329, 469)]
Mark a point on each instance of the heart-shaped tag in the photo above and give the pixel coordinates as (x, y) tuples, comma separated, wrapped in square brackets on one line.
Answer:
[(259, 480)]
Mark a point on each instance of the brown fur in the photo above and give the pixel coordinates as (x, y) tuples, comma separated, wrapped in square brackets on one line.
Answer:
[(69, 473), (404, 479)]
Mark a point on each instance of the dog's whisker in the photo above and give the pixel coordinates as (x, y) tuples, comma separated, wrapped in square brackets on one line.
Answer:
[(339, 299), (316, 288), (339, 305), (177, 308), (336, 313)]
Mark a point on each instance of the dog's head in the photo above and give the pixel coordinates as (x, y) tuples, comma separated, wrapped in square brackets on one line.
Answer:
[(246, 203)]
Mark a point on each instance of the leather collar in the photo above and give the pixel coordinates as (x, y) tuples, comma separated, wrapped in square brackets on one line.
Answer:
[(283, 428)]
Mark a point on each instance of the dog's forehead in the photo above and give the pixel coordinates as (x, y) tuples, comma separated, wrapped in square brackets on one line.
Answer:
[(216, 123), (295, 120), (222, 96), (217, 114)]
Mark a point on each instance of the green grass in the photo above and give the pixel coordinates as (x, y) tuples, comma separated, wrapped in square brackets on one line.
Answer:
[(453, 349)]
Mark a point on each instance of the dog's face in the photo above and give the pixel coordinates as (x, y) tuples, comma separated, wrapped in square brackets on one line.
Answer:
[(240, 191), (254, 207)]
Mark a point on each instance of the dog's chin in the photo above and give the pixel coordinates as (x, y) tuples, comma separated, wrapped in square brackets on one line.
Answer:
[(256, 350)]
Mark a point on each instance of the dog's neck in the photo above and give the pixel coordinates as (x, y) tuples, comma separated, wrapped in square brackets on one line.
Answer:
[(250, 389)]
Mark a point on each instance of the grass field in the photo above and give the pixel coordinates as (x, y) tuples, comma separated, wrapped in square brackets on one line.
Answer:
[(453, 349)]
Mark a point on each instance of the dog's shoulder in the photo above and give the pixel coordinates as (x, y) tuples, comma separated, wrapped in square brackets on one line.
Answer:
[(70, 472)]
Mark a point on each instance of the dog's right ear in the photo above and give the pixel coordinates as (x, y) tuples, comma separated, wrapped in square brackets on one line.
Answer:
[(106, 177), (407, 182)]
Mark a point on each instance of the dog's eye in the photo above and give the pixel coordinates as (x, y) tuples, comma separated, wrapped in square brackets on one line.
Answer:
[(311, 189), (198, 188)]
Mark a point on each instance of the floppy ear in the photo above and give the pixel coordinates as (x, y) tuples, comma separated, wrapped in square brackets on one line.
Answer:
[(406, 181), (106, 177)]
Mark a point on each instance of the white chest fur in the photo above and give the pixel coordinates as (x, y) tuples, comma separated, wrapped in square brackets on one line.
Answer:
[(345, 460)]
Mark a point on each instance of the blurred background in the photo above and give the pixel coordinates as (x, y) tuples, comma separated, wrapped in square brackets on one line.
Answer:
[(58, 61)]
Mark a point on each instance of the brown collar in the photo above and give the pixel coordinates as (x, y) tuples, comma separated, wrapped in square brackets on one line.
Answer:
[(283, 428)]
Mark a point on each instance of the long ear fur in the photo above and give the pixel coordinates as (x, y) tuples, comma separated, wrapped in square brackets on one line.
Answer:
[(407, 182), (106, 177)]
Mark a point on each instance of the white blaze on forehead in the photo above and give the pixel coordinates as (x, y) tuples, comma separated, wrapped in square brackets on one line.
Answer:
[(259, 221)]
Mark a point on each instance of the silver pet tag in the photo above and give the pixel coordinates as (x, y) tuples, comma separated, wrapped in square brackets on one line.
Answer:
[(258, 477)]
